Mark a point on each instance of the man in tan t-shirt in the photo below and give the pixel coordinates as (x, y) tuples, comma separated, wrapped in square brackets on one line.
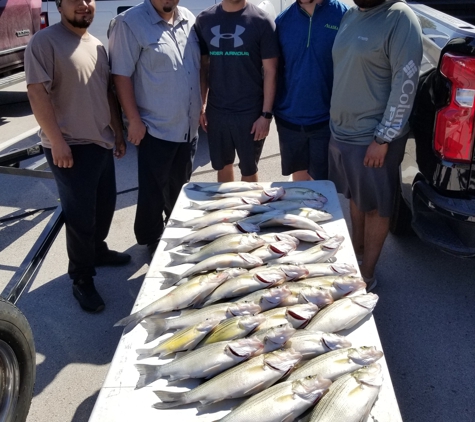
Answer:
[(67, 74)]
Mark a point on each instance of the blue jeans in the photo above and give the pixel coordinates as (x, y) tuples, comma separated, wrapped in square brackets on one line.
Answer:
[(163, 168), (87, 192)]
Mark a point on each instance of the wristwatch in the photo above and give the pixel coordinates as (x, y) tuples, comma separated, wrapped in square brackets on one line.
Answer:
[(380, 141), (267, 115)]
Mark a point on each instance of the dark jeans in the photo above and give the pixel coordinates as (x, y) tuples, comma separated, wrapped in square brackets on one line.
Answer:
[(87, 193), (163, 168)]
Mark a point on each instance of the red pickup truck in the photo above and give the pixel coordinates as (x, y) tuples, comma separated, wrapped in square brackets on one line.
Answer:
[(19, 20)]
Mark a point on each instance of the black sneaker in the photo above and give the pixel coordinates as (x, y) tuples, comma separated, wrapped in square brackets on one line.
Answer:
[(112, 258), (86, 294)]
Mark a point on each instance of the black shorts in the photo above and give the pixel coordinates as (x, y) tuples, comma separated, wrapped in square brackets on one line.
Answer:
[(304, 148), (231, 133), (369, 188)]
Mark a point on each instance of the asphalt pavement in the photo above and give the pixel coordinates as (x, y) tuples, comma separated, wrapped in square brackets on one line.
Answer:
[(425, 315)]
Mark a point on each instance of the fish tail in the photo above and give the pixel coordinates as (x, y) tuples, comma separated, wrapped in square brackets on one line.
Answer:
[(171, 243), (145, 353), (175, 223), (194, 186), (155, 327), (194, 206), (148, 374), (177, 258), (129, 322), (171, 278), (170, 398)]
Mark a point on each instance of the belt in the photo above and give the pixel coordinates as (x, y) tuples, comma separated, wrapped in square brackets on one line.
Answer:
[(304, 128)]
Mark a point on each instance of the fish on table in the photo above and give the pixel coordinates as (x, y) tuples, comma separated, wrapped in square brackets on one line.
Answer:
[(231, 243), (205, 362), (186, 295), (343, 313), (225, 187), (215, 217), (312, 344), (226, 260), (208, 234), (319, 253), (224, 203), (338, 362), (351, 397), (185, 339), (263, 196), (245, 379), (282, 402), (244, 284), (157, 325)]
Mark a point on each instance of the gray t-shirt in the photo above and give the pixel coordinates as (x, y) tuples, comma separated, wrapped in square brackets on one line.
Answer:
[(236, 43), (75, 72), (163, 62), (376, 55)]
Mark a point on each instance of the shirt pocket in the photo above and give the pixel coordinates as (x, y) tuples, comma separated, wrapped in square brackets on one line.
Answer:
[(162, 57)]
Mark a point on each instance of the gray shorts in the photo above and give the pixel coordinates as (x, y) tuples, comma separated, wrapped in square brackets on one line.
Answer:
[(231, 133), (304, 148), (369, 188)]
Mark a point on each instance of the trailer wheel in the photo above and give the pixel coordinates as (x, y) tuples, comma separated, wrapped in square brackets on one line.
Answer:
[(400, 222), (17, 364)]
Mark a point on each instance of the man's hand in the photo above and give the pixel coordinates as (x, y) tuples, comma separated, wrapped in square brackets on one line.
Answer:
[(136, 131), (120, 147), (375, 155), (204, 121), (260, 128), (62, 155)]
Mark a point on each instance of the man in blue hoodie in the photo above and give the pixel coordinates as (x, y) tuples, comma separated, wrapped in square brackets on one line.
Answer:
[(306, 32)]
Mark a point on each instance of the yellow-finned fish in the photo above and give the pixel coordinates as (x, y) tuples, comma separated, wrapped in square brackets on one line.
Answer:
[(182, 340)]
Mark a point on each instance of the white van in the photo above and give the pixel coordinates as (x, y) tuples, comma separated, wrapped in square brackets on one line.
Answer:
[(107, 9)]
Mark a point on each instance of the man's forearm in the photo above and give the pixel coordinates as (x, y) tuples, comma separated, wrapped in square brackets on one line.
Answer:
[(126, 95), (44, 113), (204, 80), (270, 83), (116, 120)]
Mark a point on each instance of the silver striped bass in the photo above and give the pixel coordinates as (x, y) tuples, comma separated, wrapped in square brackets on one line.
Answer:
[(211, 233), (243, 380), (205, 362), (225, 187), (220, 216), (312, 344), (156, 326), (351, 397), (343, 313), (334, 364), (183, 296), (231, 243), (282, 402)]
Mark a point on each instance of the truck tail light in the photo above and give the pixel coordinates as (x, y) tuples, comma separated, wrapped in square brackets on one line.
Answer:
[(454, 124), (44, 22)]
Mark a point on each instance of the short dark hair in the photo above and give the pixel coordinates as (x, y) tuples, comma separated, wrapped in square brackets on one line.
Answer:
[(58, 3)]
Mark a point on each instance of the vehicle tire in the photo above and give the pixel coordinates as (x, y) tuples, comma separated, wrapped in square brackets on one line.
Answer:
[(400, 222), (17, 363)]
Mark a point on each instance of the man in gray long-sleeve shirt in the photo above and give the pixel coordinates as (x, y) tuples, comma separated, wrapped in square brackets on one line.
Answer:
[(376, 55)]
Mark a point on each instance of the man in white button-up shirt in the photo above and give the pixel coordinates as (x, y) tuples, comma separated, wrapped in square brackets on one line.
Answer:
[(155, 61)]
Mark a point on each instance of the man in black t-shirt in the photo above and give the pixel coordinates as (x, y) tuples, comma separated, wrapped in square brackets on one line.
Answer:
[(239, 50)]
